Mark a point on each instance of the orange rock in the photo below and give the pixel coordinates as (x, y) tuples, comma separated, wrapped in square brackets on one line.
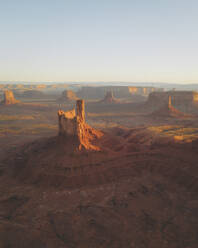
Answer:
[(9, 98), (73, 127)]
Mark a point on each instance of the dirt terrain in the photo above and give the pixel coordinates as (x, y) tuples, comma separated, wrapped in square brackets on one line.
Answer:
[(138, 191)]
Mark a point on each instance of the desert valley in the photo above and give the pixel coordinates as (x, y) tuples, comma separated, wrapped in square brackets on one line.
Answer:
[(98, 166)]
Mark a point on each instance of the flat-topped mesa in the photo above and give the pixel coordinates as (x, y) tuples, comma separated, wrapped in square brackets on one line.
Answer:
[(179, 99), (167, 110), (144, 91), (9, 98), (72, 127)]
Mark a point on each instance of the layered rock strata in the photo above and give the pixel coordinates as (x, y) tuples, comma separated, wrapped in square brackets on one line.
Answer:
[(72, 127)]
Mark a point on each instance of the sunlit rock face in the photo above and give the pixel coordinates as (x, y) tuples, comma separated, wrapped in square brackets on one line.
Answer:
[(9, 98), (72, 126), (144, 91)]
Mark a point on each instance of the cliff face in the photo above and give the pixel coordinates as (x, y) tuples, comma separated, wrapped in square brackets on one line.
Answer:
[(178, 98), (72, 127), (167, 110), (143, 91), (118, 91), (67, 123), (9, 98)]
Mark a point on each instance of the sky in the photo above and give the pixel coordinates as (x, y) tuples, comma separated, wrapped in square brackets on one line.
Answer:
[(99, 40)]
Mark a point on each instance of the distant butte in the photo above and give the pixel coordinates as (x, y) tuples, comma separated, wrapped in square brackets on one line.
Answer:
[(9, 98), (67, 96), (109, 98), (167, 110), (179, 99)]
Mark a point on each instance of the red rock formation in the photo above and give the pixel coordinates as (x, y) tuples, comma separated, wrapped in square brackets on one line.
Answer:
[(97, 92), (109, 98), (9, 98), (179, 98), (167, 110), (73, 127)]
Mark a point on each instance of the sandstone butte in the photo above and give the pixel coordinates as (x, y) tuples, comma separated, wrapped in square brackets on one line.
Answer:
[(9, 98), (74, 129), (167, 110), (109, 98), (67, 96), (178, 98)]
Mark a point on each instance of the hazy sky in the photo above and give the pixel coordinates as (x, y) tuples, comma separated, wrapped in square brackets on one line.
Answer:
[(99, 40)]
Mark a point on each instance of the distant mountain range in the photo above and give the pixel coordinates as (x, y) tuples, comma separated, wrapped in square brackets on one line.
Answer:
[(171, 86)]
